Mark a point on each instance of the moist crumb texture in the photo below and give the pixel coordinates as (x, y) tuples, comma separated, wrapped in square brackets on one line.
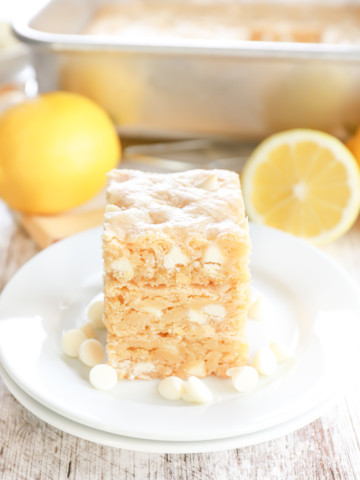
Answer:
[(176, 283)]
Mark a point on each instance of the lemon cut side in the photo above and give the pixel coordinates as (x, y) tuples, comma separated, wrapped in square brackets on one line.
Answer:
[(304, 182)]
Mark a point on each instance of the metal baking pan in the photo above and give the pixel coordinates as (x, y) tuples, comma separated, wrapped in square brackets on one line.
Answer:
[(14, 57), (183, 88)]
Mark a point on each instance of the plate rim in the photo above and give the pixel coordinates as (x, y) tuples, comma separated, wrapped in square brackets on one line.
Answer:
[(113, 440)]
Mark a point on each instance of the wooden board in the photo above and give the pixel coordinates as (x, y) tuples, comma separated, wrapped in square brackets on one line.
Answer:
[(46, 230)]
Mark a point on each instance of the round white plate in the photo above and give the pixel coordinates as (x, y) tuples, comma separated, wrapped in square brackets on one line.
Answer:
[(314, 306), (153, 446)]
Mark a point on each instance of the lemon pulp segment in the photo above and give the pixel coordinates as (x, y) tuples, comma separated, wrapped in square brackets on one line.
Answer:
[(304, 182)]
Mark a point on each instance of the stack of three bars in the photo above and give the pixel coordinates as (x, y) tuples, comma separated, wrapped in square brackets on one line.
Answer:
[(176, 254)]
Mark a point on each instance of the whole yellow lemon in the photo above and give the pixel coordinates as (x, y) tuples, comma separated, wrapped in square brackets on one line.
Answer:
[(55, 151)]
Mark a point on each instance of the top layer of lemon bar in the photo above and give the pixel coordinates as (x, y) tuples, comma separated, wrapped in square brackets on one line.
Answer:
[(176, 255), (188, 228)]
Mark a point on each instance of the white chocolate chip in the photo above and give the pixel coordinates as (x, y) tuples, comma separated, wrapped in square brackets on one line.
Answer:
[(197, 391), (215, 310), (103, 377), (112, 208), (225, 287), (244, 378), (91, 352), (197, 369), (175, 257), (155, 311), (257, 310), (123, 267), (143, 368), (88, 329), (196, 316), (282, 352), (71, 341), (265, 361), (169, 351), (172, 388), (210, 183), (213, 254), (211, 269), (95, 310)]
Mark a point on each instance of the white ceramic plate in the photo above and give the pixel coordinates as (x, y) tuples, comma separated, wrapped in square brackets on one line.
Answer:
[(314, 306), (153, 446)]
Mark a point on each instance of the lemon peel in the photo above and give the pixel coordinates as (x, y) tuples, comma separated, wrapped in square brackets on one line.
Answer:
[(55, 151)]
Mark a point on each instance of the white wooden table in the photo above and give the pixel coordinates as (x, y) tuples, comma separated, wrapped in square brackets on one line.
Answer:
[(329, 448)]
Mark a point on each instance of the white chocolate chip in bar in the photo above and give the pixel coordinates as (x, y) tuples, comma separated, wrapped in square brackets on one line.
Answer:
[(210, 183), (142, 369), (225, 287), (155, 311), (213, 254), (196, 368), (175, 257), (169, 351), (215, 310), (123, 267), (196, 316), (212, 269)]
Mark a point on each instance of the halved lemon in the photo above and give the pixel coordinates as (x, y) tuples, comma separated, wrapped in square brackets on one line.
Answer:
[(304, 182)]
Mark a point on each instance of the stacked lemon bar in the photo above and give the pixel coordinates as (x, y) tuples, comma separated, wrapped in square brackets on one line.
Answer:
[(176, 284)]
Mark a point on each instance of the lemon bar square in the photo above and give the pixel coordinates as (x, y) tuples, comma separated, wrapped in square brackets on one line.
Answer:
[(176, 260)]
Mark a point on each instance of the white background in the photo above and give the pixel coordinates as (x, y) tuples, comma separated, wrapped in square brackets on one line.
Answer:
[(9, 9)]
